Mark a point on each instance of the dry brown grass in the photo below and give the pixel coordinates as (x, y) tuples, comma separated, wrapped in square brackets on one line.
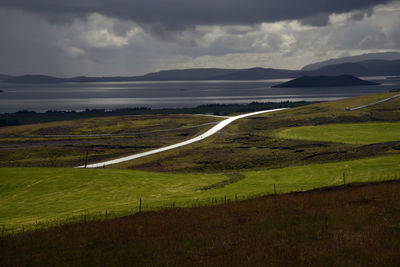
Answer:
[(24, 146), (356, 225)]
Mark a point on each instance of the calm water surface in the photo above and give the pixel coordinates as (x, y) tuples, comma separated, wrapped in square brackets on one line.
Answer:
[(113, 95)]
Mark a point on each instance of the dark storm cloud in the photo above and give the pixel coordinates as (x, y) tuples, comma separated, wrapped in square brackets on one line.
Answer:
[(175, 15), (133, 37)]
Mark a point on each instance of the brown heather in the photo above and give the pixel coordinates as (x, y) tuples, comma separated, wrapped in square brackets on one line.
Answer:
[(354, 225)]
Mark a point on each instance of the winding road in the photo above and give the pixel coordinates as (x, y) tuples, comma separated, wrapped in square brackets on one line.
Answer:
[(210, 132)]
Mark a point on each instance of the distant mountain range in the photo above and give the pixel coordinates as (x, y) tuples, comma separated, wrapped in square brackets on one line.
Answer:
[(353, 59), (170, 75), (324, 81), (362, 68)]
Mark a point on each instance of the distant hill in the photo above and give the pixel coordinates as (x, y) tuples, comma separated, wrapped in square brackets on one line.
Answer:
[(362, 68), (187, 74), (35, 79), (324, 81), (218, 74), (4, 77), (258, 74), (353, 59)]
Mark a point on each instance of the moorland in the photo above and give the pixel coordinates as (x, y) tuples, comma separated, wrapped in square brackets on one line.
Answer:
[(52, 213)]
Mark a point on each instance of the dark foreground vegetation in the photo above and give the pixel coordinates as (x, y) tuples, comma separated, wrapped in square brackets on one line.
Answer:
[(352, 225), (29, 117)]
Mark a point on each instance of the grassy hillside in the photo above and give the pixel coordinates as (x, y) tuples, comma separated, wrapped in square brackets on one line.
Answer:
[(132, 124), (250, 143), (350, 226), (247, 144), (352, 133), (28, 195), (28, 145)]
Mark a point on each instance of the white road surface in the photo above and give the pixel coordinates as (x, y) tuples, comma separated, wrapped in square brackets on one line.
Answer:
[(210, 132), (375, 103)]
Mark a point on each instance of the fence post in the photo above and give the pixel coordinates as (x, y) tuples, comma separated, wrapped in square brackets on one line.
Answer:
[(344, 178), (140, 205), (225, 199), (86, 158), (23, 229), (3, 229), (274, 189), (235, 197)]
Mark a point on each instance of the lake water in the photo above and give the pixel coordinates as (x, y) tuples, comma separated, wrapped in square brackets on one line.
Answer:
[(113, 95)]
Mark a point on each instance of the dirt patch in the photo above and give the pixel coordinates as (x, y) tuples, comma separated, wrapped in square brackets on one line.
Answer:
[(234, 177)]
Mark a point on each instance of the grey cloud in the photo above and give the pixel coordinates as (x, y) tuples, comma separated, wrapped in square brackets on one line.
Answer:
[(121, 28), (360, 14), (175, 15), (320, 19)]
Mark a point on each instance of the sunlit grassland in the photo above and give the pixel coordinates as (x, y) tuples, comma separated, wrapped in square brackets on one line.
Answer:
[(352, 133), (28, 195), (335, 111)]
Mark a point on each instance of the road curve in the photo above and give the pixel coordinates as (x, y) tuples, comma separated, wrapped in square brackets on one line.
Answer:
[(210, 132)]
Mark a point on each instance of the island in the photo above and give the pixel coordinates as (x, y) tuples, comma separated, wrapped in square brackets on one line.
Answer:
[(324, 81)]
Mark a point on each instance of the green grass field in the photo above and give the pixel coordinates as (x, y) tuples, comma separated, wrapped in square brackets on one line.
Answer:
[(351, 133), (28, 195)]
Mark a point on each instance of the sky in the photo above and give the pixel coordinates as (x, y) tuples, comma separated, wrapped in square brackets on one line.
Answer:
[(132, 37)]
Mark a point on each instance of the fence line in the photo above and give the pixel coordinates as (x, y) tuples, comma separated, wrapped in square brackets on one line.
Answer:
[(142, 207)]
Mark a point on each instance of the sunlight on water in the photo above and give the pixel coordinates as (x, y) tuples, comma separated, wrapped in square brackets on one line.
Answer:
[(171, 94)]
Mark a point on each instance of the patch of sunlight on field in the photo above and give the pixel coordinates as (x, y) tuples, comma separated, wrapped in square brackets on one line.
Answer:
[(352, 133)]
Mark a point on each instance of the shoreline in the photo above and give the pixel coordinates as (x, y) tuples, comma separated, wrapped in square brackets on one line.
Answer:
[(30, 117)]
